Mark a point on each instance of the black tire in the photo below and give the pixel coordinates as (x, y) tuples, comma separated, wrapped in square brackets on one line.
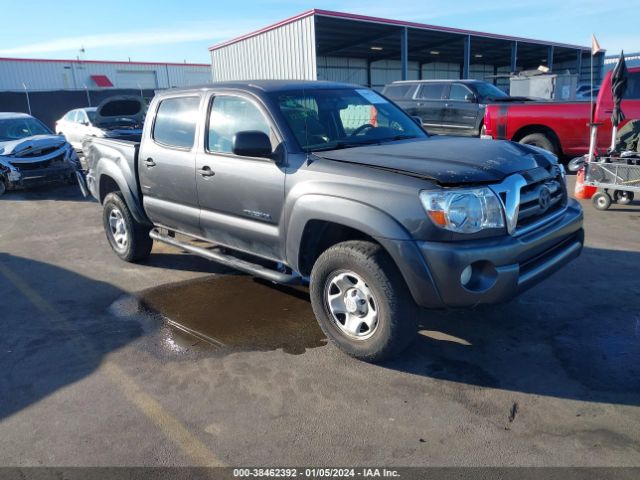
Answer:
[(601, 201), (136, 244), (622, 197), (3, 186), (394, 307), (540, 140)]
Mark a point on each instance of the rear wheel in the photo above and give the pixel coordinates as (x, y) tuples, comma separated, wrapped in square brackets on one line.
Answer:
[(540, 140), (601, 200), (623, 198), (128, 239), (361, 301)]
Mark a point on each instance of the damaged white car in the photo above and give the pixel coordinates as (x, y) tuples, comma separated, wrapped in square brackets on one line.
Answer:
[(119, 116), (31, 154)]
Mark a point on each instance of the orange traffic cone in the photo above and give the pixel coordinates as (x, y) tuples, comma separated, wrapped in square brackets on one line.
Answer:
[(582, 191)]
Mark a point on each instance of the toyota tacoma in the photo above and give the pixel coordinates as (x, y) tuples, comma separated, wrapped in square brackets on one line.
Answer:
[(335, 186)]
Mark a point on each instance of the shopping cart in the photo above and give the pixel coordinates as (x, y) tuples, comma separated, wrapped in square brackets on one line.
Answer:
[(617, 178)]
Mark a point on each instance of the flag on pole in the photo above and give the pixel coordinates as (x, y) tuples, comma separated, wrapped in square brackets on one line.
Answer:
[(595, 46)]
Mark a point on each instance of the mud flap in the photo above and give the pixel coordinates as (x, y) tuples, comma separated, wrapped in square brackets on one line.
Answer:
[(82, 183)]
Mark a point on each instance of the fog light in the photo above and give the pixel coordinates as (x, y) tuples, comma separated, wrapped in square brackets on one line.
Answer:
[(465, 276)]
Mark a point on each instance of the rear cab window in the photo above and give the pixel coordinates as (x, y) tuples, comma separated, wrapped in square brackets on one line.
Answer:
[(175, 122)]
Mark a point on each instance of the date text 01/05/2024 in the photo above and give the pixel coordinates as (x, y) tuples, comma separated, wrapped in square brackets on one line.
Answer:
[(315, 473)]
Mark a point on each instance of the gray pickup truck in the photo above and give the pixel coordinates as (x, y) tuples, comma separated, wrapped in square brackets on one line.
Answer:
[(334, 185)]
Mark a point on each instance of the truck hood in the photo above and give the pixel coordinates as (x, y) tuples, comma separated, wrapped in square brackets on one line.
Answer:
[(447, 160), (120, 111), (31, 146)]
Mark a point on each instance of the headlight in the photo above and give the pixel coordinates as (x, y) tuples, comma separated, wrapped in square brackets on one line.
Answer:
[(464, 210)]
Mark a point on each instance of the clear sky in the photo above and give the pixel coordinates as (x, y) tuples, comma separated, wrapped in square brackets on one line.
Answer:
[(146, 30)]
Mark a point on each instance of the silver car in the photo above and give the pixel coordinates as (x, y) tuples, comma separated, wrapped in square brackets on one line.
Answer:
[(116, 117)]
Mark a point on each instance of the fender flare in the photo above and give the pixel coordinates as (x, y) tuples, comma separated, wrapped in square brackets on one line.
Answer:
[(342, 211), (107, 167)]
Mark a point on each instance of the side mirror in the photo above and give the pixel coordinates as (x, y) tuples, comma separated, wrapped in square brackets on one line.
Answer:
[(470, 97), (418, 120), (252, 143)]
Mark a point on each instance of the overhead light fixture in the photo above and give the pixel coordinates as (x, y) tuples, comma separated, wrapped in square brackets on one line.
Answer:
[(434, 52), (376, 48), (544, 60), (478, 55)]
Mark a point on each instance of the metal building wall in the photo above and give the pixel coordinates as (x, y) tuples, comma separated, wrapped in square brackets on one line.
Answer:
[(287, 51), (39, 75)]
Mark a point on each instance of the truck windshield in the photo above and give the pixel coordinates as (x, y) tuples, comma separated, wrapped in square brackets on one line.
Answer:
[(327, 119), (21, 127), (489, 93)]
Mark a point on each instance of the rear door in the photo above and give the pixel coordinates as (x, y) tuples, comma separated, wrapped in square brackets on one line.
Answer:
[(429, 104), (166, 164), (460, 113), (241, 198)]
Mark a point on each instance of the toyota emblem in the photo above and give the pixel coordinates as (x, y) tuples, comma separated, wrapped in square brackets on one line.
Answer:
[(544, 199)]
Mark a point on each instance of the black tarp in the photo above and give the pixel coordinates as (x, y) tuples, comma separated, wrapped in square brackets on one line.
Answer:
[(618, 87)]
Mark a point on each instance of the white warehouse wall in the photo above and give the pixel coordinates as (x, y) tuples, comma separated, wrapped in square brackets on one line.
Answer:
[(286, 51), (45, 75)]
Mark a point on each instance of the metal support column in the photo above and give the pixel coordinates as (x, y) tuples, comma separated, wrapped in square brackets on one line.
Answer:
[(550, 58), (467, 57), (514, 56), (404, 53), (579, 64), (369, 73)]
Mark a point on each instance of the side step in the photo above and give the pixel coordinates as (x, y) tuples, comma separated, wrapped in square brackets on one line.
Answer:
[(230, 261)]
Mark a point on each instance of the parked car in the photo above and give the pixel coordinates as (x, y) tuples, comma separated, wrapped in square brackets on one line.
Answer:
[(119, 116), (378, 219), (31, 154), (449, 107), (562, 127)]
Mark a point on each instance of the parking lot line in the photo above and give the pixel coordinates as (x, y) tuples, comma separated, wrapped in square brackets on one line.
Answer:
[(168, 424)]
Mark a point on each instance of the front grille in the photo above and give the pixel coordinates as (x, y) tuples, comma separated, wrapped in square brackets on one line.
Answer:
[(543, 196)]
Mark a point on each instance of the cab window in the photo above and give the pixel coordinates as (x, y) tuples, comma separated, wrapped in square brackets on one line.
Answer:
[(229, 115), (458, 92), (175, 123)]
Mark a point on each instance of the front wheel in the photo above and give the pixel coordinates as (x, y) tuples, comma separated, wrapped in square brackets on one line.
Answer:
[(128, 239), (362, 302), (601, 201)]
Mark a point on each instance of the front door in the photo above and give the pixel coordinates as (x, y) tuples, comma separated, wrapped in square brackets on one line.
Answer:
[(166, 165), (241, 198), (461, 111)]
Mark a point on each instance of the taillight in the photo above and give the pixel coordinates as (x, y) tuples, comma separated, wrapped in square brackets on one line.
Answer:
[(487, 120)]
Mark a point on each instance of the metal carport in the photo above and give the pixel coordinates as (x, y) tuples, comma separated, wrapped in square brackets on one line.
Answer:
[(321, 44)]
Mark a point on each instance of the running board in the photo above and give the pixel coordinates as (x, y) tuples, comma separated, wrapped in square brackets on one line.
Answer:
[(230, 261)]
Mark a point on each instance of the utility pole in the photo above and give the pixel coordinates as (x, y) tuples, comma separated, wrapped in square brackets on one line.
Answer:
[(27, 94)]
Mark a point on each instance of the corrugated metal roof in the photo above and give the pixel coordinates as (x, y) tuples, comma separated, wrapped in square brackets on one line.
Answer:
[(387, 21)]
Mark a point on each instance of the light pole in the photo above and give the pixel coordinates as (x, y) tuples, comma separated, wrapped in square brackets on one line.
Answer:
[(26, 92)]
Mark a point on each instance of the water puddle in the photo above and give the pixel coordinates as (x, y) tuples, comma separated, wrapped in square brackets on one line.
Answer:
[(226, 313)]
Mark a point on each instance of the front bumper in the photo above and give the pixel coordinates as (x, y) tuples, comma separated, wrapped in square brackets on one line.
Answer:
[(503, 267), (32, 177)]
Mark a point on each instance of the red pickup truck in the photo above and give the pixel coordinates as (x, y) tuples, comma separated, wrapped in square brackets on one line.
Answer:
[(561, 127)]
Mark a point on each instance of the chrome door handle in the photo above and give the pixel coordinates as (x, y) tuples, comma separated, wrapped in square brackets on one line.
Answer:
[(149, 162), (206, 171)]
